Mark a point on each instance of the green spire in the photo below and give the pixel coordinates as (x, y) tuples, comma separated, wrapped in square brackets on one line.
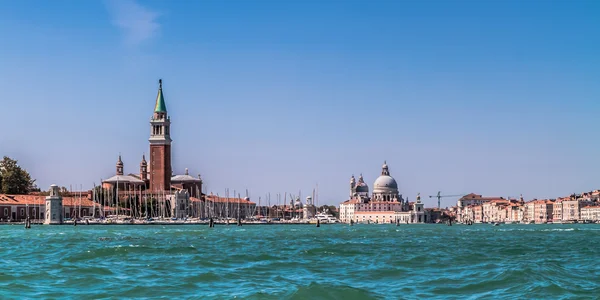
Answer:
[(160, 100)]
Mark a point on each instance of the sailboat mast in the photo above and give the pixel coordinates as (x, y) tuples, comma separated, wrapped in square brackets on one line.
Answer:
[(317, 200)]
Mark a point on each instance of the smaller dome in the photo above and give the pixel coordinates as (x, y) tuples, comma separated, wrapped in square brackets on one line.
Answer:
[(362, 188)]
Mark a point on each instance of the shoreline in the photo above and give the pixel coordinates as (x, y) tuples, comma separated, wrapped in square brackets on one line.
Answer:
[(165, 223), (263, 224)]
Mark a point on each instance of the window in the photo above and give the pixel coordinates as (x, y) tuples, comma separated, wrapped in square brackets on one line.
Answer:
[(22, 211), (6, 212)]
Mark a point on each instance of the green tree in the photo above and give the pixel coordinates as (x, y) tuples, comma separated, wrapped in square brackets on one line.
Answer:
[(15, 180)]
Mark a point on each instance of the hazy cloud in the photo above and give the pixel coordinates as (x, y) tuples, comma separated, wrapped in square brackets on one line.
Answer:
[(138, 23)]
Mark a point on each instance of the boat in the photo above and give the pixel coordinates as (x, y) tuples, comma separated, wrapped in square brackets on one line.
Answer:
[(325, 217)]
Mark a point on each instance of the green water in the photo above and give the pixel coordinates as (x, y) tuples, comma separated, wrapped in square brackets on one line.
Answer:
[(301, 262)]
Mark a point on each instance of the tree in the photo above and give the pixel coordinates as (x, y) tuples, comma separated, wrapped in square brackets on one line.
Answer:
[(14, 179)]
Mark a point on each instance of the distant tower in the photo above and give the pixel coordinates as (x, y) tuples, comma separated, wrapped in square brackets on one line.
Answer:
[(419, 210), (352, 186), (160, 145), (144, 169), (54, 207), (119, 166)]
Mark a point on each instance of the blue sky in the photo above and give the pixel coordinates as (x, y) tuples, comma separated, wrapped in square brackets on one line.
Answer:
[(493, 97)]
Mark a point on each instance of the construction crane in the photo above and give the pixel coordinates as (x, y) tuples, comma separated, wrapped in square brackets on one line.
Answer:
[(439, 196)]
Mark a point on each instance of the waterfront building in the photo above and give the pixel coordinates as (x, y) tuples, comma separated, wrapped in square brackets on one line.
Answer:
[(155, 180), (16, 208), (472, 200), (384, 205), (571, 210), (539, 211), (433, 214), (590, 213), (156, 176), (466, 214), (557, 210), (494, 210), (497, 209), (514, 213)]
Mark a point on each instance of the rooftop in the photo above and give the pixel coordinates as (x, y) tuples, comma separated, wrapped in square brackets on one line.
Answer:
[(41, 200)]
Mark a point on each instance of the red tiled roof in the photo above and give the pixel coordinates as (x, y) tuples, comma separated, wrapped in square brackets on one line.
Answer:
[(38, 200)]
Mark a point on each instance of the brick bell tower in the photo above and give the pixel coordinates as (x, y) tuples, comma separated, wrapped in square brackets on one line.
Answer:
[(160, 145)]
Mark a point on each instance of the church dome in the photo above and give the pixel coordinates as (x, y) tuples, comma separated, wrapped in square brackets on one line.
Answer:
[(362, 188), (385, 182)]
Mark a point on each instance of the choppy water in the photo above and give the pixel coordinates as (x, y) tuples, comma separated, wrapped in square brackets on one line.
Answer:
[(301, 262)]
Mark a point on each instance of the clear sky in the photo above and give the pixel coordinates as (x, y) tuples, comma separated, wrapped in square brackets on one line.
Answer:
[(493, 97)]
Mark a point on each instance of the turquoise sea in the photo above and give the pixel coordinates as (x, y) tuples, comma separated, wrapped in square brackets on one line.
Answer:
[(300, 262)]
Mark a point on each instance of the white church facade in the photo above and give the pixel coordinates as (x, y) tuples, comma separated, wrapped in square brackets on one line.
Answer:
[(384, 205)]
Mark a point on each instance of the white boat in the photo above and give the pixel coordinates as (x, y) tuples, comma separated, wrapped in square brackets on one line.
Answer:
[(325, 217)]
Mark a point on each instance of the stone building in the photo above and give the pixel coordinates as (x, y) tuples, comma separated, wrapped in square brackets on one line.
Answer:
[(193, 185), (155, 176), (155, 179), (590, 213), (384, 205), (17, 208)]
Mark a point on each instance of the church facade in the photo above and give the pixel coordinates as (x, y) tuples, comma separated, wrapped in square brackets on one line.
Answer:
[(155, 180), (156, 175), (384, 205)]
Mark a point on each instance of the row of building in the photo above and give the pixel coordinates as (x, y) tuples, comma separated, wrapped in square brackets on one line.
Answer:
[(475, 208), (144, 204)]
